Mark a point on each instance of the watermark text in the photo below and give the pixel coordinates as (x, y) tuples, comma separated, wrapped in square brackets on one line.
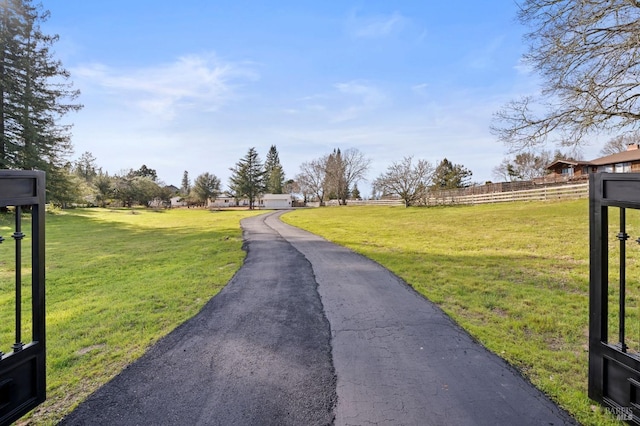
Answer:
[(621, 413)]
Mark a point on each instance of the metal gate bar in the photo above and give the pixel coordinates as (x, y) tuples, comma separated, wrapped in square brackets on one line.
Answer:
[(623, 237), (18, 236)]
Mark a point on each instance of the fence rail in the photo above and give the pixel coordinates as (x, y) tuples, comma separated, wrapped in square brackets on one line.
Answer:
[(392, 202), (547, 193)]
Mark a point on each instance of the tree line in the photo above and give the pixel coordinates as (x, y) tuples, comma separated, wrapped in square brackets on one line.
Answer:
[(335, 176), (583, 53), (90, 185), (36, 93)]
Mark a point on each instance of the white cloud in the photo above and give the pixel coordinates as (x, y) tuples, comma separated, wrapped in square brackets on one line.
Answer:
[(420, 89), (376, 26), (167, 89), (359, 97), (343, 102)]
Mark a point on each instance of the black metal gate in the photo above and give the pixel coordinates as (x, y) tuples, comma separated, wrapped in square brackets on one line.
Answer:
[(22, 368), (614, 367)]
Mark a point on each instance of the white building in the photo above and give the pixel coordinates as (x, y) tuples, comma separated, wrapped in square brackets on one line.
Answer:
[(266, 201), (275, 201), (227, 201)]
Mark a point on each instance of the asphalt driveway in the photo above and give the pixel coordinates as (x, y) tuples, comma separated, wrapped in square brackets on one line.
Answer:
[(310, 333)]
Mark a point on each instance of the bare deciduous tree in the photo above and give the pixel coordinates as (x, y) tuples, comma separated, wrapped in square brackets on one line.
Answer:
[(523, 166), (620, 143), (312, 178), (356, 166), (407, 180), (587, 55)]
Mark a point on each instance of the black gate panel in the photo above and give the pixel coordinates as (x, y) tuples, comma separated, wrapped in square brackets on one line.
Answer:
[(614, 370), (22, 370)]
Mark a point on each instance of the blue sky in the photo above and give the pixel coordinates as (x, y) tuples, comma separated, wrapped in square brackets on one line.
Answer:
[(192, 85)]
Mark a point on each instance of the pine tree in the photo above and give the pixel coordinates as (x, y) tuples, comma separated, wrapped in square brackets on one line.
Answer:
[(450, 176), (247, 179), (10, 35), (355, 193), (274, 174), (185, 189), (144, 171), (35, 94), (335, 177), (85, 167)]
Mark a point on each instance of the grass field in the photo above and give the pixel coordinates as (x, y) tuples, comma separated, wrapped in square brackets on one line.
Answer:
[(515, 275), (117, 281)]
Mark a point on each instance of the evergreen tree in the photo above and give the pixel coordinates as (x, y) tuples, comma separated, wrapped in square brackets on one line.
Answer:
[(247, 179), (185, 189), (144, 171), (336, 184), (344, 170), (449, 176), (355, 194), (205, 187), (104, 186), (64, 187), (85, 167), (274, 174), (35, 94)]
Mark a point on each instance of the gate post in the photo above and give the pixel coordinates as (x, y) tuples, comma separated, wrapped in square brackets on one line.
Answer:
[(598, 284), (22, 371)]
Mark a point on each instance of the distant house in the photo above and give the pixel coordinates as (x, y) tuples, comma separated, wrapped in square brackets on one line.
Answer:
[(171, 188), (266, 201), (275, 201), (569, 169), (226, 200), (623, 162), (178, 201)]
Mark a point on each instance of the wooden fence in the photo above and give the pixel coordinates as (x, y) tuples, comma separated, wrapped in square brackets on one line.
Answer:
[(547, 193), (471, 196), (386, 202)]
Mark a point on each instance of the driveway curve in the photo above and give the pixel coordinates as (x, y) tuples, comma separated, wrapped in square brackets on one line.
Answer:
[(310, 333), (258, 353)]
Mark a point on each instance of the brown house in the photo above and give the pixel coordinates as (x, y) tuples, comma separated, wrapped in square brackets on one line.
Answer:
[(622, 162), (569, 169)]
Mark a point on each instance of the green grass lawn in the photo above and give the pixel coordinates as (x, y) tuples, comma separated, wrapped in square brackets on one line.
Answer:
[(515, 275), (117, 281)]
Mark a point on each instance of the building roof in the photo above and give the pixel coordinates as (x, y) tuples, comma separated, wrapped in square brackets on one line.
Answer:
[(569, 162), (621, 157), (631, 154)]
